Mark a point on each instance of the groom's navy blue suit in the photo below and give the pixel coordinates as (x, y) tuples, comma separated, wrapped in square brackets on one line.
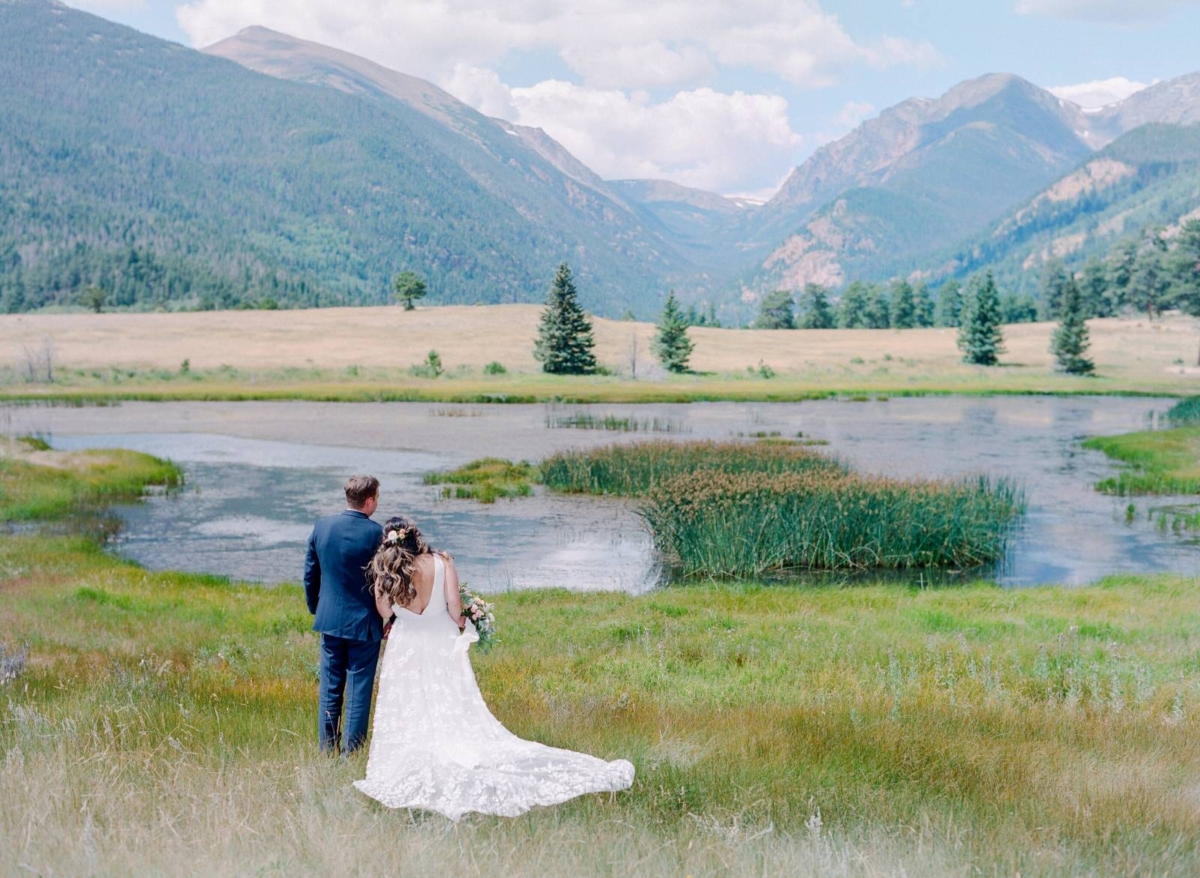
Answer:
[(335, 583)]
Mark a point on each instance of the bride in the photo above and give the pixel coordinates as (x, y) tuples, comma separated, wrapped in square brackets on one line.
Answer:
[(435, 744)]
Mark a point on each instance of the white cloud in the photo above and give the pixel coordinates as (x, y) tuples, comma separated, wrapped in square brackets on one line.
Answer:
[(626, 44), (1113, 11), (701, 138), (851, 113), (1098, 92), (483, 90), (617, 49)]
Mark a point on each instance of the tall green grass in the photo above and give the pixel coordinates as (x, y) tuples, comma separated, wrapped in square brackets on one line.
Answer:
[(741, 509), (740, 526), (633, 470)]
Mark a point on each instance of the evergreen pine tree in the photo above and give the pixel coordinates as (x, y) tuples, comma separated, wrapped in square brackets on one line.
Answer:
[(979, 336), (1093, 288), (904, 306), (949, 304), (815, 310), (1018, 309), (1185, 271), (776, 311), (878, 309), (1122, 263), (1070, 342), (852, 307), (1149, 283), (565, 345), (924, 304), (671, 343), (1054, 279)]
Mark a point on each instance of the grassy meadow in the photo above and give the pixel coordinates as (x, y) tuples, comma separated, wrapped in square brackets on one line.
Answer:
[(163, 724), (1156, 461), (367, 354)]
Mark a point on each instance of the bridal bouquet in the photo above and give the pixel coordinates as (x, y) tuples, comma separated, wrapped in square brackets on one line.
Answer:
[(480, 613)]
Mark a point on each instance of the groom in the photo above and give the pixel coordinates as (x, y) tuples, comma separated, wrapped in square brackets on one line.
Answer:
[(335, 584)]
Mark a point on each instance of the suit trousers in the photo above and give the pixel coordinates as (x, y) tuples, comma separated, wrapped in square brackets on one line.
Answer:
[(347, 680)]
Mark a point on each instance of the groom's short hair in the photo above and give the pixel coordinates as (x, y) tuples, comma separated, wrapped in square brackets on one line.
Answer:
[(360, 489)]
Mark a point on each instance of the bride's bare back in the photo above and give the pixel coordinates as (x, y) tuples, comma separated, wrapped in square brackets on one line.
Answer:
[(423, 581)]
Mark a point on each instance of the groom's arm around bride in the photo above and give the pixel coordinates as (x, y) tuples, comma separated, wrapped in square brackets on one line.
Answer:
[(335, 586)]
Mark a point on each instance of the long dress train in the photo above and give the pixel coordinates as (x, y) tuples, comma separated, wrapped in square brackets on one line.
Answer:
[(435, 744)]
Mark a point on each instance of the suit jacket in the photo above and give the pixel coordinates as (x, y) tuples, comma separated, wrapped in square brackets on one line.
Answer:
[(335, 582)]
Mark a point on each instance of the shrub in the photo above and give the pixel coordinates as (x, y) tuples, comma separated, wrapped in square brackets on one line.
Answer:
[(494, 368), (1186, 411), (431, 368)]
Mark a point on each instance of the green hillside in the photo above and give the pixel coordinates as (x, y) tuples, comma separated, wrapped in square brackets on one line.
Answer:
[(985, 147), (1149, 177), (169, 177)]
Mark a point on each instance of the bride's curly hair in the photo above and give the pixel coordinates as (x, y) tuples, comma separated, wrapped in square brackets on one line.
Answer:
[(390, 572)]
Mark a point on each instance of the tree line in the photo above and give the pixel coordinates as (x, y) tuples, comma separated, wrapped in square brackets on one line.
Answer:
[(565, 343)]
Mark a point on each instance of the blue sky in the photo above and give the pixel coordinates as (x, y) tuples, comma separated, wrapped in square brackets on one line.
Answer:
[(720, 94)]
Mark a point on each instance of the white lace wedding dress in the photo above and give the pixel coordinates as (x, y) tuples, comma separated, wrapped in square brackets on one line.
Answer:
[(435, 745)]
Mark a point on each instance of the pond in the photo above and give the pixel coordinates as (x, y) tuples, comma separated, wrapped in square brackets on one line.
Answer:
[(259, 473)]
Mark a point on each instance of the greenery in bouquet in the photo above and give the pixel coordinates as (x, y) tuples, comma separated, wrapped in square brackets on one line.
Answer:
[(481, 614)]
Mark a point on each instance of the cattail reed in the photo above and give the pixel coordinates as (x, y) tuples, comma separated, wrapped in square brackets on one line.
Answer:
[(739, 510)]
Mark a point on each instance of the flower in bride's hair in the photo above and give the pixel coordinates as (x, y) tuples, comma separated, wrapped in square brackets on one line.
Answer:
[(393, 536)]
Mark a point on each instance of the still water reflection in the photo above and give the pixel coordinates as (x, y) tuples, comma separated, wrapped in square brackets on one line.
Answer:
[(259, 473)]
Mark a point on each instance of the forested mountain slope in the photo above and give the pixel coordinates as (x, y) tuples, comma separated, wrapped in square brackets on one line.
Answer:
[(166, 175), (1146, 179)]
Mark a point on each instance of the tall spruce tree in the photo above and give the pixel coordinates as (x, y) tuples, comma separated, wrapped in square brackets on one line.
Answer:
[(924, 304), (878, 308), (565, 344), (1019, 308), (1093, 288), (979, 336), (1185, 271), (815, 310), (671, 343), (852, 307), (776, 311), (949, 304), (1070, 342), (1122, 264), (1150, 281), (1054, 278), (904, 305)]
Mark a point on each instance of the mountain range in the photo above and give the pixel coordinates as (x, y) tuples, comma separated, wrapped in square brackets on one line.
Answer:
[(267, 169)]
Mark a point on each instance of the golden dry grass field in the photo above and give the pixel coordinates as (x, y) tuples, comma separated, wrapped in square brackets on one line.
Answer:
[(334, 352)]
